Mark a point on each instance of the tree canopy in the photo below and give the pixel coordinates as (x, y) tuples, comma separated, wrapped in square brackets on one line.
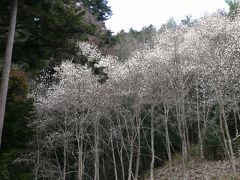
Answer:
[(49, 29)]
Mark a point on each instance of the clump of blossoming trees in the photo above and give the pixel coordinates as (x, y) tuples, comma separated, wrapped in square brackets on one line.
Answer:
[(111, 130)]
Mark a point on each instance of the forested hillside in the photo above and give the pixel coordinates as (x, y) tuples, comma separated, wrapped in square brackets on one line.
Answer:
[(85, 104), (46, 35)]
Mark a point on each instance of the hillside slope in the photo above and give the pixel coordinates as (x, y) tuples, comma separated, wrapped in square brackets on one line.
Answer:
[(214, 170)]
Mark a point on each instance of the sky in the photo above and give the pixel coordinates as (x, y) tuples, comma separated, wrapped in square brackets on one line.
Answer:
[(139, 13)]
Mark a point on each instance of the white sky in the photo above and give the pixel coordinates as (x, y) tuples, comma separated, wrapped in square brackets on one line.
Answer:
[(140, 13)]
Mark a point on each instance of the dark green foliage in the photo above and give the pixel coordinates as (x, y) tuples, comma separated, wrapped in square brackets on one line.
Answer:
[(48, 29), (11, 170), (17, 132), (213, 143), (234, 6), (98, 8)]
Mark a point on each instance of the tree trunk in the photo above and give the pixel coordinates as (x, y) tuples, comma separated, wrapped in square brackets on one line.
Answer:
[(232, 159), (120, 152), (65, 145), (152, 143), (122, 148), (38, 160), (168, 141), (199, 123), (79, 137), (184, 128), (96, 149), (130, 161), (64, 158), (184, 146), (7, 64), (113, 154), (235, 121), (138, 135)]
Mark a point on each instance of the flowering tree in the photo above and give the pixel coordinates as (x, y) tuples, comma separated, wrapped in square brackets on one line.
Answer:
[(170, 87)]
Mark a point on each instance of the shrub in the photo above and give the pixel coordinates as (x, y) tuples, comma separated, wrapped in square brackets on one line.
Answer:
[(213, 144)]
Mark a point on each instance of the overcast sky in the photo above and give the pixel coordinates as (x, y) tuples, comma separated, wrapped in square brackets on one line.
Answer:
[(140, 13)]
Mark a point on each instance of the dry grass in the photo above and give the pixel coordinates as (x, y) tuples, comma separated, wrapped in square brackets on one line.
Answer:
[(199, 169)]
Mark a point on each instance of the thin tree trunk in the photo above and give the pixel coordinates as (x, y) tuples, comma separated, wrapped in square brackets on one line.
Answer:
[(187, 137), (232, 159), (184, 154), (152, 144), (224, 136), (205, 115), (7, 64), (104, 170), (65, 144), (38, 159), (96, 148), (168, 141), (56, 156), (120, 151), (64, 158), (236, 123), (130, 139), (130, 161), (113, 155), (182, 136), (80, 153), (138, 133), (184, 139), (238, 116), (198, 122)]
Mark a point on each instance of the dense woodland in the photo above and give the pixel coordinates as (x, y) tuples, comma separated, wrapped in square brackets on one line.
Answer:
[(86, 104)]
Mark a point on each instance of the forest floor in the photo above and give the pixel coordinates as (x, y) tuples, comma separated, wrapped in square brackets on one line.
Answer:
[(199, 169)]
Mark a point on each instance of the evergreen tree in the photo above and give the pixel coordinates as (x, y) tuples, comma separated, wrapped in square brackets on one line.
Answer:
[(49, 29), (234, 6), (17, 132)]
